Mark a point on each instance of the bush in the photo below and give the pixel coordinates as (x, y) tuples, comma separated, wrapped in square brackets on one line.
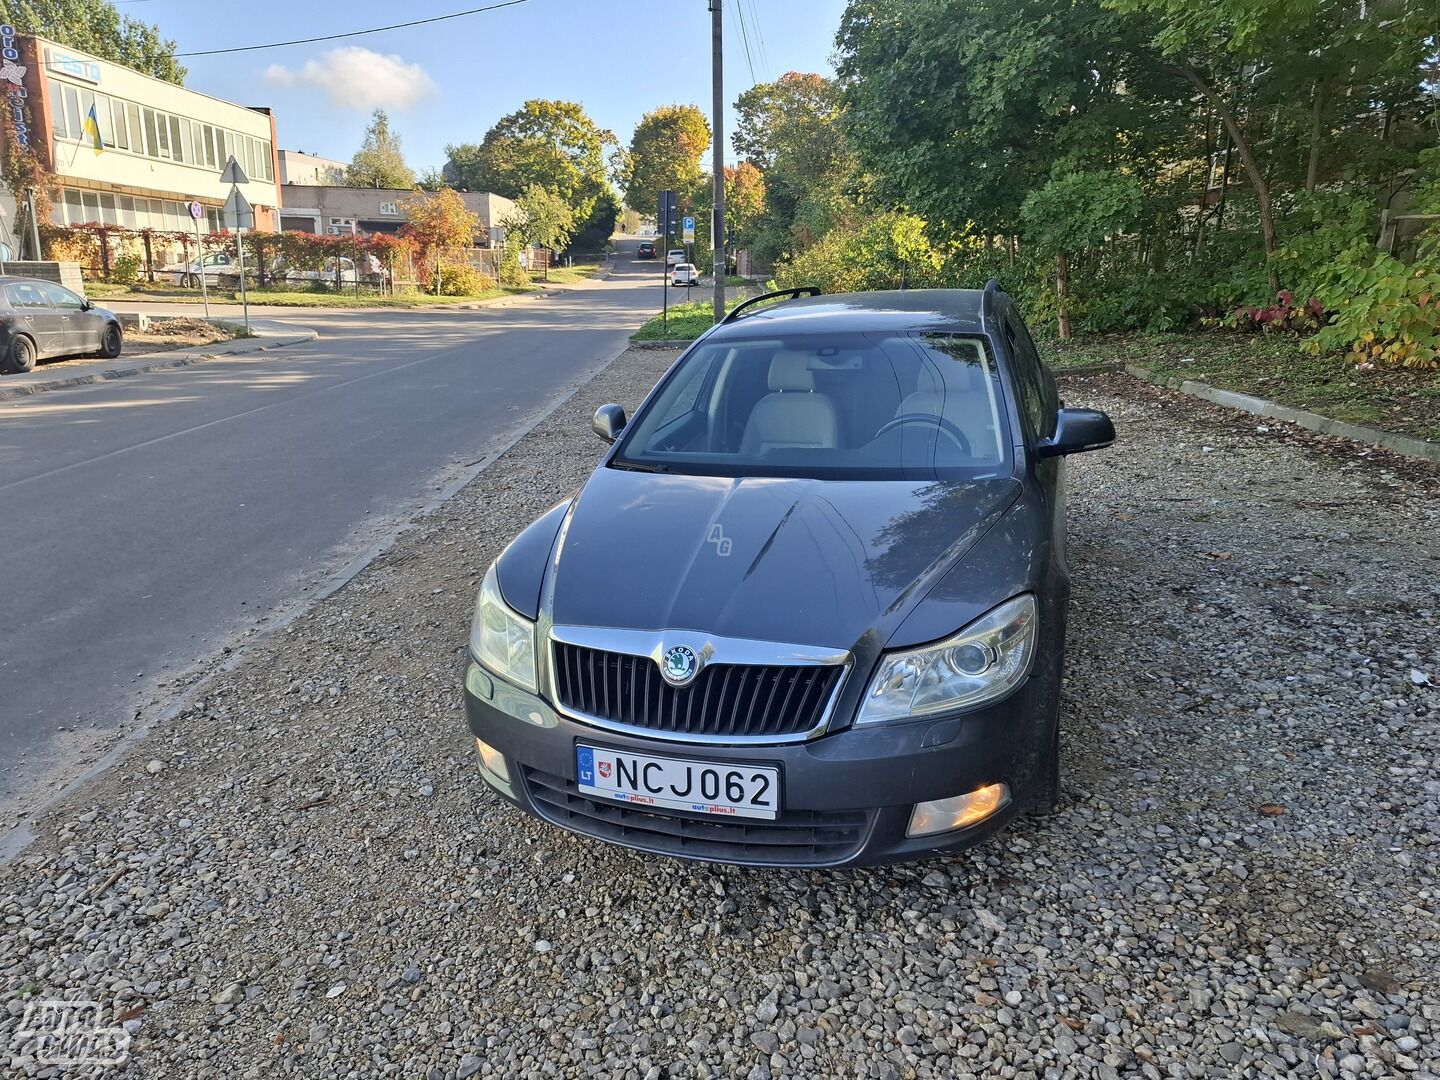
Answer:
[(1386, 313), (125, 270), (462, 279), (511, 272), (1284, 314), (885, 252)]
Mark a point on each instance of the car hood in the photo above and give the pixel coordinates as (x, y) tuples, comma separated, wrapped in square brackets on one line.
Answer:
[(814, 562)]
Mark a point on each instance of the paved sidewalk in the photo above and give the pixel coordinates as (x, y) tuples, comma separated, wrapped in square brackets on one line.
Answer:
[(265, 335)]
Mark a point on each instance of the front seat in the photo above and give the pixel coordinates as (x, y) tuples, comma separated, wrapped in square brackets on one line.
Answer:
[(792, 414), (965, 403)]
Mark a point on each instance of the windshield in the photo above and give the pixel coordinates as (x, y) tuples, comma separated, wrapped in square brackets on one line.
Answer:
[(842, 406)]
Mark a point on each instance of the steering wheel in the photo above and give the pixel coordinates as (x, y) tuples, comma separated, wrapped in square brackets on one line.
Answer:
[(933, 422)]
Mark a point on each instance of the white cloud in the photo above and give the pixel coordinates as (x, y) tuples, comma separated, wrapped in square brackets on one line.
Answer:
[(356, 78)]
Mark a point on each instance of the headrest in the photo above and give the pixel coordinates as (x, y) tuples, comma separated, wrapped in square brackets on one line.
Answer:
[(791, 371)]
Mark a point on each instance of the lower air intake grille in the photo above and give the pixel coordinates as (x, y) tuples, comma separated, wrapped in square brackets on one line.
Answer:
[(797, 837)]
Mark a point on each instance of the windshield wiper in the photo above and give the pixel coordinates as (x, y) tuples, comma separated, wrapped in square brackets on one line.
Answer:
[(639, 466)]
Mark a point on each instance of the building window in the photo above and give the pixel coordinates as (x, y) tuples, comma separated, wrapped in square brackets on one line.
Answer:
[(117, 123), (340, 226), (390, 209), (87, 102), (137, 133), (57, 99), (72, 112), (74, 210), (151, 146)]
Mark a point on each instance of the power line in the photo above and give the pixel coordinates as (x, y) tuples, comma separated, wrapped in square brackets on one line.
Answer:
[(759, 39), (745, 40), (354, 33)]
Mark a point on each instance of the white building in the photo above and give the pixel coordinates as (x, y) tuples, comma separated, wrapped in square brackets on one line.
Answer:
[(161, 146), (297, 167)]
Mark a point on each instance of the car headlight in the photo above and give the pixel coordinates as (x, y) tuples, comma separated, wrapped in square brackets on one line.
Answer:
[(984, 661), (501, 639)]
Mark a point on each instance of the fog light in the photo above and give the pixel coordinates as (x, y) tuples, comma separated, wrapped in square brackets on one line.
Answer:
[(947, 815), (492, 761)]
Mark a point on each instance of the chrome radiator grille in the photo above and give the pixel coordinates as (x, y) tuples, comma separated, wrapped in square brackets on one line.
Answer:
[(725, 700)]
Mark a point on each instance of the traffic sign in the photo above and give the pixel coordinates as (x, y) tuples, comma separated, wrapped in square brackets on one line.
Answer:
[(689, 226), (197, 211), (239, 214), (233, 174)]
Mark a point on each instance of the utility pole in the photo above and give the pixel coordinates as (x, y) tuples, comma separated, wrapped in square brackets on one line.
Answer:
[(717, 151)]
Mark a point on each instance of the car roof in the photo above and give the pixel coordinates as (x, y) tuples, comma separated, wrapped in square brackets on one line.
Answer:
[(16, 279), (957, 310)]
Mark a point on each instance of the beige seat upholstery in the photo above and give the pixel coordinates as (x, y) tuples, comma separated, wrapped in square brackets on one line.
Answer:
[(792, 414), (965, 404)]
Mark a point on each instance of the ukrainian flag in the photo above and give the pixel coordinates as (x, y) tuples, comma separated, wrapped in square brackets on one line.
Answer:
[(92, 131)]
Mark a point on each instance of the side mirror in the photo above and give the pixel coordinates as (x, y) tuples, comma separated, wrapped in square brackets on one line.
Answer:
[(609, 422), (1077, 430)]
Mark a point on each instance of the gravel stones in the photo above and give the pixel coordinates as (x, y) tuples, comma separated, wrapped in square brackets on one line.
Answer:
[(1158, 924)]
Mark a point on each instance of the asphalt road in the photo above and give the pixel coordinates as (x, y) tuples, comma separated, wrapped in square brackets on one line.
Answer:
[(148, 522)]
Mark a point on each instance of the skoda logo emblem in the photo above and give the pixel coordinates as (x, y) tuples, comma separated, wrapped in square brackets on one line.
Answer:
[(679, 665)]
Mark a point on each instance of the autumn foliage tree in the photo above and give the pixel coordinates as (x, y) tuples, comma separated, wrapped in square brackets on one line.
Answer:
[(442, 227), (664, 155)]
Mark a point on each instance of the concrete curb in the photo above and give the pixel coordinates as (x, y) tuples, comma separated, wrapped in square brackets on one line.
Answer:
[(264, 340), (663, 343), (1102, 368), (1400, 444)]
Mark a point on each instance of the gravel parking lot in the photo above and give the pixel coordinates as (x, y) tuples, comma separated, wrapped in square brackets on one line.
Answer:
[(302, 874)]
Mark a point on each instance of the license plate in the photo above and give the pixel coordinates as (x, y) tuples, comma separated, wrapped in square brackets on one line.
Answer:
[(700, 787)]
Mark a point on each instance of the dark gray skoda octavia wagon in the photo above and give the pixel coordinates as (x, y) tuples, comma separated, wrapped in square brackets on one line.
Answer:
[(809, 609)]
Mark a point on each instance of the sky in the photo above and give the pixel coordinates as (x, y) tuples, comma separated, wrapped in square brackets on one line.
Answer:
[(449, 82)]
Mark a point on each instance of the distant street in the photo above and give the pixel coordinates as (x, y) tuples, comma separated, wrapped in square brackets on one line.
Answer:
[(150, 521)]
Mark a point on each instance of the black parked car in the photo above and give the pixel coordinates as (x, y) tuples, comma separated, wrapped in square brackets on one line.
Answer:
[(809, 609), (40, 319)]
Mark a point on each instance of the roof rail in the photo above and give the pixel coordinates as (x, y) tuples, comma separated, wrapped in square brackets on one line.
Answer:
[(987, 299), (790, 294)]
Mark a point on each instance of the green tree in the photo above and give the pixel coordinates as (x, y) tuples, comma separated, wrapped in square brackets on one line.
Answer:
[(959, 109), (594, 233), (541, 219), (1073, 212), (1275, 72), (554, 144), (664, 155), (96, 27), (379, 162), (792, 131)]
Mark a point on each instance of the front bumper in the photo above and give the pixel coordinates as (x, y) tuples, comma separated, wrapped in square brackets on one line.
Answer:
[(846, 797)]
